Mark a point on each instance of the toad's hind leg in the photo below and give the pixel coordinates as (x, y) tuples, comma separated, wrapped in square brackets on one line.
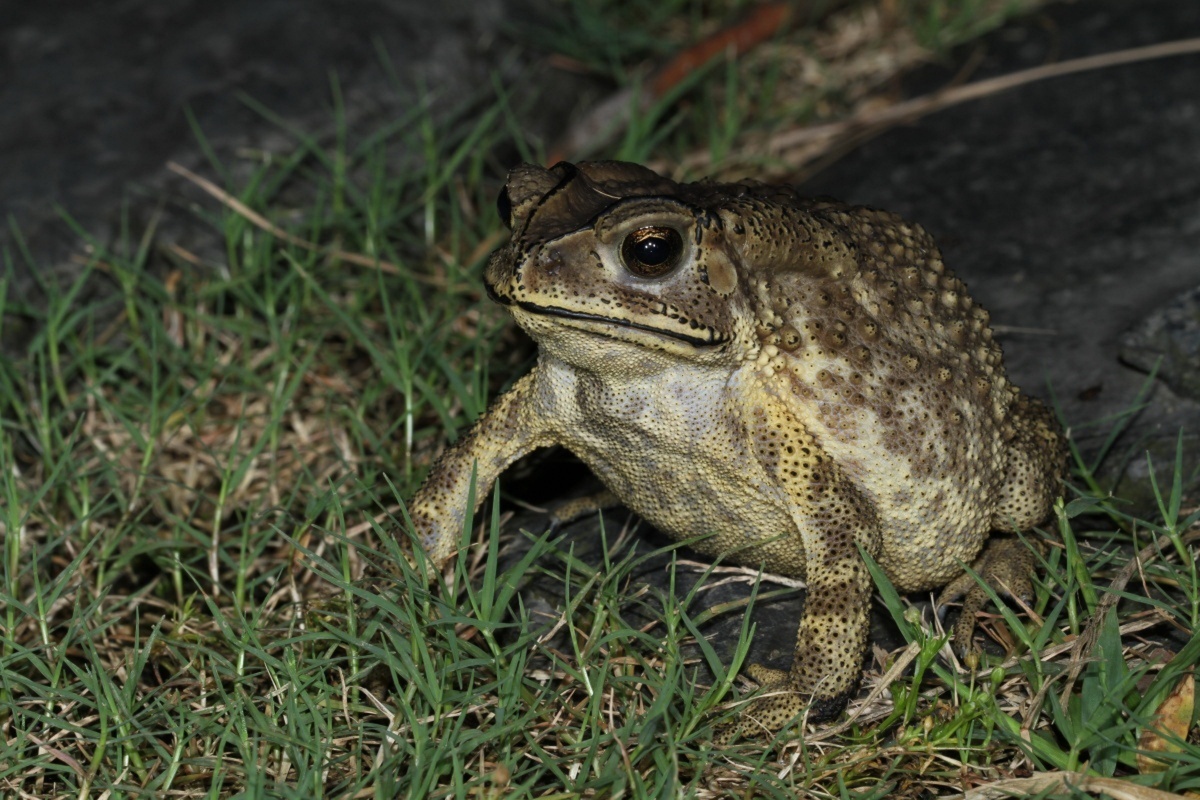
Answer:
[(1035, 463), (832, 520)]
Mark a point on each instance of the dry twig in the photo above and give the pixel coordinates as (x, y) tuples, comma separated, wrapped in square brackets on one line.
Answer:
[(801, 146)]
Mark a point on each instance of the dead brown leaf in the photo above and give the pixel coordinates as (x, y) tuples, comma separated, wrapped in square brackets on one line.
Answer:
[(1173, 718)]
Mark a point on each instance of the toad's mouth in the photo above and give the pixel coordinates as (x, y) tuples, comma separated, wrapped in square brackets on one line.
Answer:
[(698, 337)]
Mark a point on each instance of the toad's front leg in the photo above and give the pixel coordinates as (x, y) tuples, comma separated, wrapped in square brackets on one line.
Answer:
[(833, 519), (511, 428)]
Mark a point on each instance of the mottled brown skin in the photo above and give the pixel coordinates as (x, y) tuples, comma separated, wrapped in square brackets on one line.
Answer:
[(803, 378)]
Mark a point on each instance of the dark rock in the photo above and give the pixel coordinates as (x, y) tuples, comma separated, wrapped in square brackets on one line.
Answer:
[(1167, 343)]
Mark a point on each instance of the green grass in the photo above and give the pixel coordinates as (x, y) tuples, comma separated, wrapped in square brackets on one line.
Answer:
[(202, 478)]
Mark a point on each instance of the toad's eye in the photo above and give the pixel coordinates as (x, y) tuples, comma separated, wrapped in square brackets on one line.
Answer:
[(652, 252), (504, 207)]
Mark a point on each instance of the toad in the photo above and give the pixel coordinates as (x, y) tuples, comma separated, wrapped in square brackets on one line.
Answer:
[(797, 377)]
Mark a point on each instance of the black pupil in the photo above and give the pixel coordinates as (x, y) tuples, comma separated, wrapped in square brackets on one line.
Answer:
[(653, 250)]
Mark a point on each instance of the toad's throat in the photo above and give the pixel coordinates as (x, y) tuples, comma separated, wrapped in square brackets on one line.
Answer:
[(701, 337)]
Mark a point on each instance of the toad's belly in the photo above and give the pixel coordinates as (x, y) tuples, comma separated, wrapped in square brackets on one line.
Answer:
[(679, 455), (687, 493)]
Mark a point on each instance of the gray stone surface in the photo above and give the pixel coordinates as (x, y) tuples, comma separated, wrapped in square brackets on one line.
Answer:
[(1167, 344)]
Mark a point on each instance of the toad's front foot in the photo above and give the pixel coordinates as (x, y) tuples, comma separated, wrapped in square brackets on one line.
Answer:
[(782, 700)]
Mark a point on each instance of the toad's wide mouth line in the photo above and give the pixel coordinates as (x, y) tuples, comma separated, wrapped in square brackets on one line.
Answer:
[(710, 339)]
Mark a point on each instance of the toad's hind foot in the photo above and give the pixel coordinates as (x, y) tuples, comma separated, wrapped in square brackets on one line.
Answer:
[(580, 507), (1005, 565)]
